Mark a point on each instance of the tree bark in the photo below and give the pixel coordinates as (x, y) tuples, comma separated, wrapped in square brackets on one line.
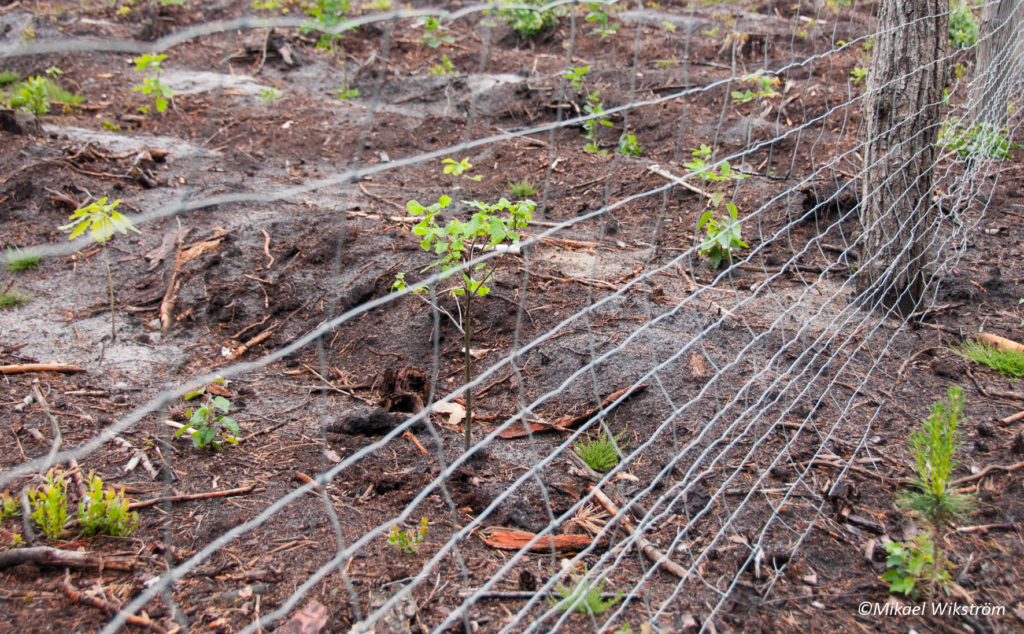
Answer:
[(902, 114)]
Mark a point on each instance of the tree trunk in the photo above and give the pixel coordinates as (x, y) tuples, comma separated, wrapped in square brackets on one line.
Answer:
[(1000, 46), (901, 113)]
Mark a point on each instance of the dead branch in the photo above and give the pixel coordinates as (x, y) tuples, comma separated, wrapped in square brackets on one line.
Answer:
[(77, 596), (167, 304), (252, 488), (47, 556), (987, 470), (648, 549)]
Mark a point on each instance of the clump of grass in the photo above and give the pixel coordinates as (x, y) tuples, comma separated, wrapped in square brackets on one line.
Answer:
[(13, 299), (522, 189), (582, 597), (8, 77), (1009, 363), (21, 262), (602, 453)]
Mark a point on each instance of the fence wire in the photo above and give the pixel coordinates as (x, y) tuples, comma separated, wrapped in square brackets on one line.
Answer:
[(793, 359)]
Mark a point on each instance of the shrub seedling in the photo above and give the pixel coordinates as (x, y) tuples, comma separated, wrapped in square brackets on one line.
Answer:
[(595, 108), (151, 85), (600, 454), (599, 14), (445, 67), (576, 76), (9, 506), (628, 145), (101, 220), (327, 15), (584, 598), (408, 541), (345, 92), (50, 504), (707, 171), (909, 563), (858, 73), (935, 500), (530, 23), (764, 83), (458, 168), (722, 236), (977, 141), (105, 512), (963, 25), (456, 244), (266, 95), (208, 419), (434, 33)]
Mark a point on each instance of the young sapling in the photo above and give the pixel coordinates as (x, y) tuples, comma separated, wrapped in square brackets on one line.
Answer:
[(457, 243), (102, 220)]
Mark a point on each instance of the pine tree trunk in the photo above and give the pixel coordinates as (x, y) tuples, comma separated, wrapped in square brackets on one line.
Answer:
[(902, 114)]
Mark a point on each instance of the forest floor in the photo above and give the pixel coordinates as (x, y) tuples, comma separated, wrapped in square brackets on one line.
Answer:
[(254, 113)]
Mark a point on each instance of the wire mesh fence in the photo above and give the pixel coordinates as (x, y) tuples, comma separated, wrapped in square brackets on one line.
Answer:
[(685, 299)]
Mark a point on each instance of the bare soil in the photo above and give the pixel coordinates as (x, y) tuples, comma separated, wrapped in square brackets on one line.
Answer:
[(265, 270)]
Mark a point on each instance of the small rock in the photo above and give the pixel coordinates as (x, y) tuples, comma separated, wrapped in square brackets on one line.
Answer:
[(810, 578), (19, 123)]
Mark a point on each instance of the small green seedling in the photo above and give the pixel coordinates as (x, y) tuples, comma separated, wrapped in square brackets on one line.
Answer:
[(444, 68), (434, 32), (458, 243), (764, 82), (977, 141), (409, 540), (345, 92), (32, 96), (529, 23), (8, 77), (934, 498), (599, 14), (583, 597), (151, 85), (594, 108), (1008, 362), (602, 453), (910, 564), (858, 73), (9, 506), (327, 15), (102, 221), (576, 76), (105, 512), (963, 25), (459, 168), (207, 419), (628, 145), (722, 236), (721, 171), (49, 504), (522, 189), (266, 95)]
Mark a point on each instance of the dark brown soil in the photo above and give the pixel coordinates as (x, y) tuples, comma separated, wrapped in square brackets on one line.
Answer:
[(778, 435)]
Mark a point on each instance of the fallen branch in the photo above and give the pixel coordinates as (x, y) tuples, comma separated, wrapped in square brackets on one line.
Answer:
[(1011, 419), (678, 181), (258, 339), (648, 549), (987, 470), (23, 368), (252, 488), (77, 596), (47, 556)]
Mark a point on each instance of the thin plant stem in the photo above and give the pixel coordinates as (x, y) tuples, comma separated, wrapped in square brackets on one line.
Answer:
[(467, 439), (110, 285)]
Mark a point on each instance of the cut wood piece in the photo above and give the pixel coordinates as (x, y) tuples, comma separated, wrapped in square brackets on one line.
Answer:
[(46, 556), (1000, 343), (22, 368), (517, 540)]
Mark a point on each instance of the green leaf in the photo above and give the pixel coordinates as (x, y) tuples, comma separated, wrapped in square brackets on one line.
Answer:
[(221, 403), (161, 104)]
